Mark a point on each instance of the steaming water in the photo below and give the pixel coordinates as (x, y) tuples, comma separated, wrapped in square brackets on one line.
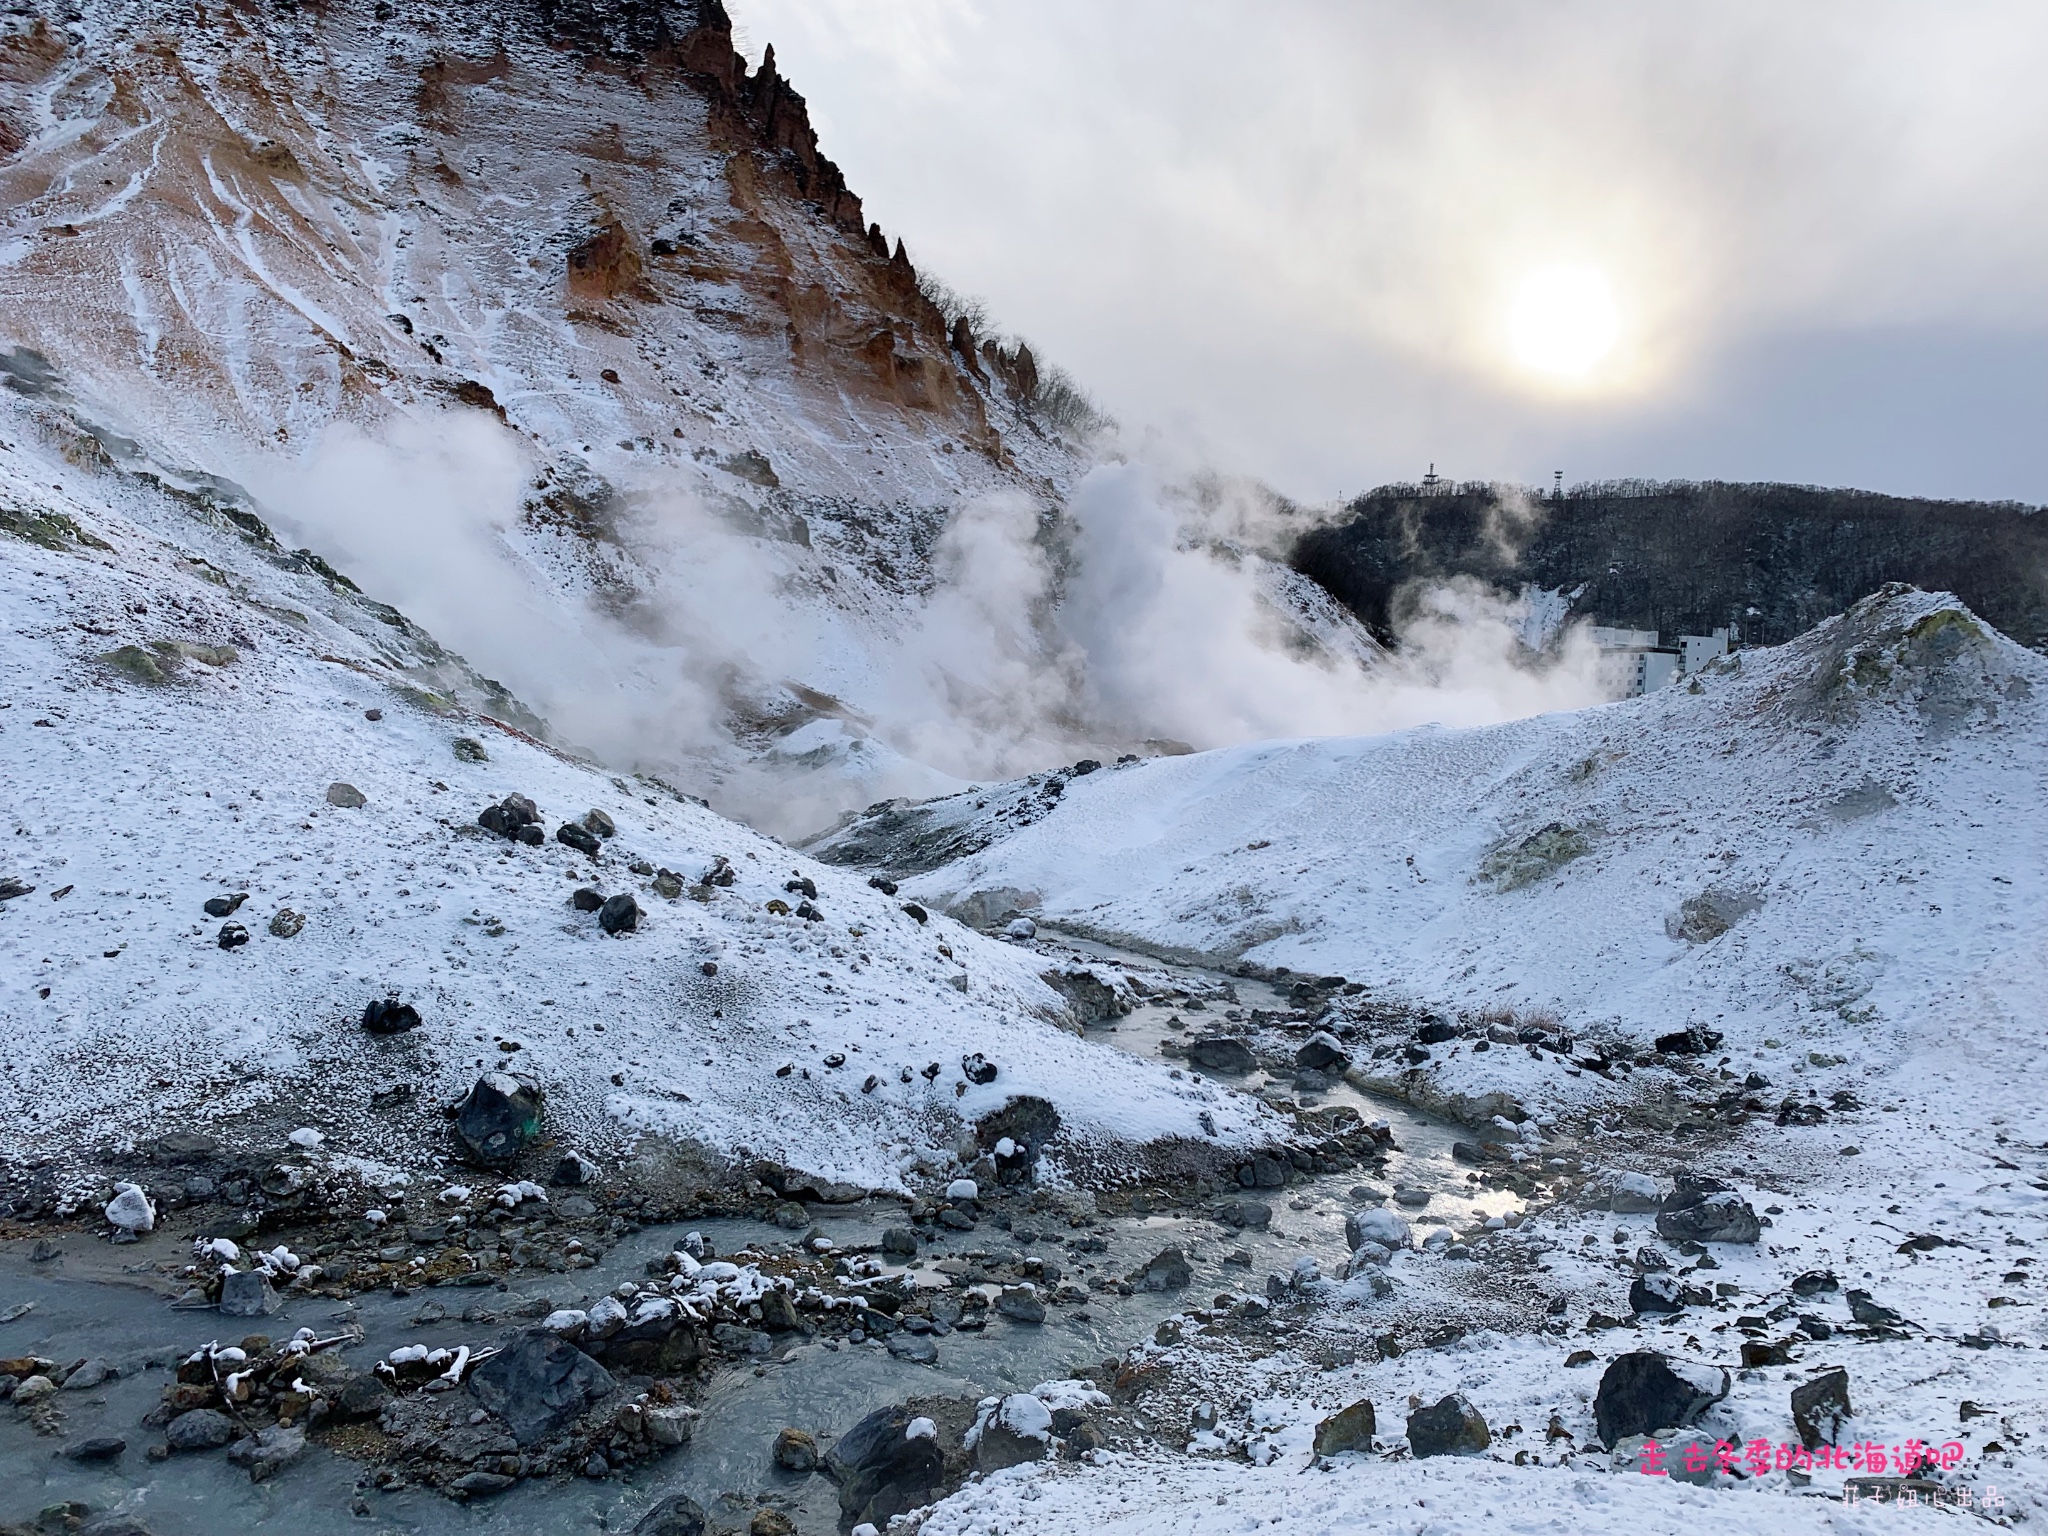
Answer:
[(815, 1387)]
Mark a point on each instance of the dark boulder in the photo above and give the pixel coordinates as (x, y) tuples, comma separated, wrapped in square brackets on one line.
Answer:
[(978, 1069), (1689, 1042), (1873, 1314), (676, 1515), (586, 900), (388, 1016), (1255, 1214), (619, 915), (1658, 1292), (1222, 1053), (1322, 1052), (1450, 1427), (539, 1385), (1703, 1210), (202, 1429), (1166, 1270), (232, 936), (1820, 1406), (1436, 1032), (1643, 1393), (498, 1118), (1348, 1429), (224, 906), (882, 1469), (582, 839)]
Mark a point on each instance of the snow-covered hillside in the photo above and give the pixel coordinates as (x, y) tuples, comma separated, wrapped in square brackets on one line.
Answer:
[(179, 695), (1840, 841)]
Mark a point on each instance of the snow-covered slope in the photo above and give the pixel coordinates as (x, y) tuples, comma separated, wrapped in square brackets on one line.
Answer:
[(177, 695), (1841, 840)]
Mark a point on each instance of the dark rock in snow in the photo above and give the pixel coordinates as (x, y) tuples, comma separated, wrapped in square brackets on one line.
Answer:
[(1222, 1053), (1703, 1210), (468, 749), (287, 924), (619, 915), (1656, 1293), (886, 887), (1348, 1429), (203, 1429), (1643, 1392), (915, 912), (574, 1169), (978, 1069), (1820, 1406), (587, 900), (247, 1293), (599, 823), (1814, 1282), (581, 839), (1693, 1041), (1450, 1427), (882, 1469), (804, 884), (1871, 1314), (224, 906), (530, 834), (346, 796), (499, 1117), (1436, 1032), (388, 1016), (1322, 1052), (676, 1515), (538, 1385), (232, 936), (495, 818)]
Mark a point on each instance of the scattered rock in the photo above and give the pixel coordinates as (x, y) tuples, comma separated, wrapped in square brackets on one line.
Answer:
[(1659, 1292), (771, 1522), (586, 900), (1703, 1210), (885, 1465), (269, 1451), (87, 1374), (1323, 1052), (538, 1385), (202, 1429), (574, 1169), (346, 796), (916, 913), (619, 915), (670, 1424), (915, 1348), (1020, 1304), (1871, 1314), (480, 1485), (469, 750), (596, 821), (1166, 1270), (676, 1515), (225, 906), (232, 936), (899, 1242), (98, 1448), (796, 1450), (388, 1016), (1348, 1429), (1693, 1041), (977, 1069), (499, 1117), (1635, 1194), (581, 838), (247, 1293), (1452, 1427), (287, 924), (131, 1210), (1012, 1432), (32, 1390), (1644, 1392), (1222, 1053), (1255, 1214)]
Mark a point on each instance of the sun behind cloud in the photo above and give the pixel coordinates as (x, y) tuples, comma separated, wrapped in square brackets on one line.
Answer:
[(1563, 320)]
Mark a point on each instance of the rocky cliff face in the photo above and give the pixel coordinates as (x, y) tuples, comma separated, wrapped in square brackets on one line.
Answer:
[(231, 232)]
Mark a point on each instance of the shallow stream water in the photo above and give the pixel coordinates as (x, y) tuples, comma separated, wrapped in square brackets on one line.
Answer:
[(85, 1307)]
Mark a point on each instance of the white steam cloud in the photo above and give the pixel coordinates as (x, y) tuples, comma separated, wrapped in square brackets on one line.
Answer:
[(776, 681)]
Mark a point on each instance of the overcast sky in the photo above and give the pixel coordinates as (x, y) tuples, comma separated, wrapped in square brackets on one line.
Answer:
[(1294, 235)]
